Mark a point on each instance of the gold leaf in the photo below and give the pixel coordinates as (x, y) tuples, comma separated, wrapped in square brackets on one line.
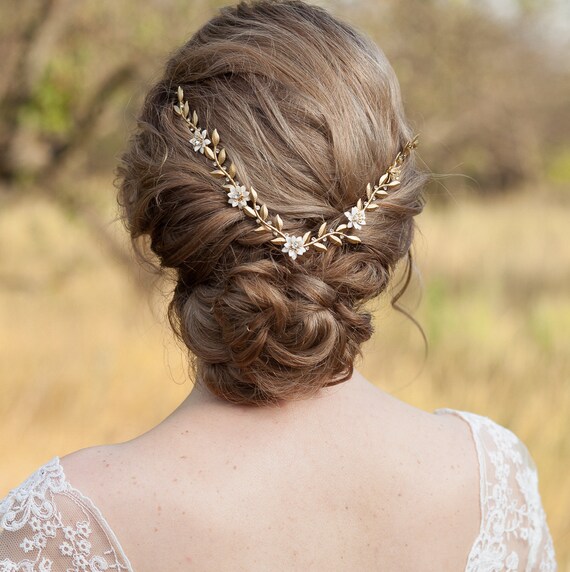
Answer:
[(306, 236), (186, 109), (368, 190), (215, 137), (372, 207), (278, 240), (383, 179), (260, 228), (359, 204), (263, 212), (319, 246), (352, 238), (322, 229), (228, 186), (222, 156), (382, 193), (194, 118), (341, 227), (335, 239), (217, 173), (232, 170), (178, 110), (393, 184), (279, 222), (249, 211), (180, 94), (253, 194), (209, 153)]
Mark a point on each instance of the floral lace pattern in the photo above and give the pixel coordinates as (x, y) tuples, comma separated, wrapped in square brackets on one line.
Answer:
[(46, 525), (514, 534), (41, 536)]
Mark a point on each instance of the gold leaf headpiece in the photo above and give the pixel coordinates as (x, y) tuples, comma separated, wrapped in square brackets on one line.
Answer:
[(239, 197)]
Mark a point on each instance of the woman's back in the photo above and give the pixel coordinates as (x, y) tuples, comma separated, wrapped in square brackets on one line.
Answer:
[(355, 480), (336, 484)]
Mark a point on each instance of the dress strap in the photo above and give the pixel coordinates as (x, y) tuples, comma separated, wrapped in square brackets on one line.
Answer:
[(48, 525), (514, 534)]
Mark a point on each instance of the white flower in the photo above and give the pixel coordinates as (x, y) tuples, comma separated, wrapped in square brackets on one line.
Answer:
[(83, 528), (512, 562), (40, 540), (69, 533), (45, 565), (35, 524), (84, 546), (294, 246), (502, 471), (356, 217), (200, 140), (98, 563), (238, 196), (66, 549), (516, 456), (27, 545), (49, 528), (499, 525), (80, 561)]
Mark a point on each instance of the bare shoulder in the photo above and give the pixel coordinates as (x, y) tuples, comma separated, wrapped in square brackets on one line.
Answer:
[(451, 482), (443, 442), (89, 466), (101, 473), (433, 456)]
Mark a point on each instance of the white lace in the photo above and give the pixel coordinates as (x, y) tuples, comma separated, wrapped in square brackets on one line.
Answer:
[(514, 534), (48, 526)]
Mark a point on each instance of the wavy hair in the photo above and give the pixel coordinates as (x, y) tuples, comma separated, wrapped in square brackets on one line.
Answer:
[(310, 111)]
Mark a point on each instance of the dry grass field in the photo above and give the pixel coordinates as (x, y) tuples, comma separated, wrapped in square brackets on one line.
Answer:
[(84, 360)]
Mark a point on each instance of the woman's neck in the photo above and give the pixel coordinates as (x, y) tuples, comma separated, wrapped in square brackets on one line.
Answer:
[(201, 398)]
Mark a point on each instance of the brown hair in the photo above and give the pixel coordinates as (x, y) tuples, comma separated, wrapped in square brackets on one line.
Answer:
[(309, 110)]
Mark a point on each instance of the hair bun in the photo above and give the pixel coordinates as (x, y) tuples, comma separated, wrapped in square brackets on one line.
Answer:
[(261, 327), (270, 335)]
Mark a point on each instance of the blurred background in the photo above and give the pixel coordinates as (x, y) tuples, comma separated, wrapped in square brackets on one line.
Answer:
[(86, 354)]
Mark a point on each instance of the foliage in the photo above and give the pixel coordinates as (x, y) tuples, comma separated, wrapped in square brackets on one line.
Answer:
[(485, 93)]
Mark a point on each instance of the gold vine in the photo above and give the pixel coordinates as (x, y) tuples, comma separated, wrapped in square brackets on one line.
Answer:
[(239, 196)]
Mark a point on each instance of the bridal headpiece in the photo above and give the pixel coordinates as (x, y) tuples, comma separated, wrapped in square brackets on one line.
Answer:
[(239, 196)]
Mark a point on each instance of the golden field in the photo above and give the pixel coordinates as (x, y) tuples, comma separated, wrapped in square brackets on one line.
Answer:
[(85, 360)]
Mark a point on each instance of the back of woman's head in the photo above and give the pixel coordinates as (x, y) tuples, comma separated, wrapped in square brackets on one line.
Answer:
[(309, 111)]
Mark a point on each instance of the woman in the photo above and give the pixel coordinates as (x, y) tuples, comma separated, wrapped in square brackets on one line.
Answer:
[(275, 174)]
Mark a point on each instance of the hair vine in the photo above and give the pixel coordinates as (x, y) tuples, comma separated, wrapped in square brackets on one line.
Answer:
[(208, 144)]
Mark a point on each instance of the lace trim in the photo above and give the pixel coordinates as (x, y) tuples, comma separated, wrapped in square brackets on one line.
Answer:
[(513, 525), (111, 537), (33, 504), (29, 499)]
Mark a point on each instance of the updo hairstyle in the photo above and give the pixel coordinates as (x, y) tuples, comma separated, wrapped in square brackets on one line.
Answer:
[(309, 110)]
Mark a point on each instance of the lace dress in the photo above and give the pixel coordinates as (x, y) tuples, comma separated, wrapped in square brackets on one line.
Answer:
[(48, 525)]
